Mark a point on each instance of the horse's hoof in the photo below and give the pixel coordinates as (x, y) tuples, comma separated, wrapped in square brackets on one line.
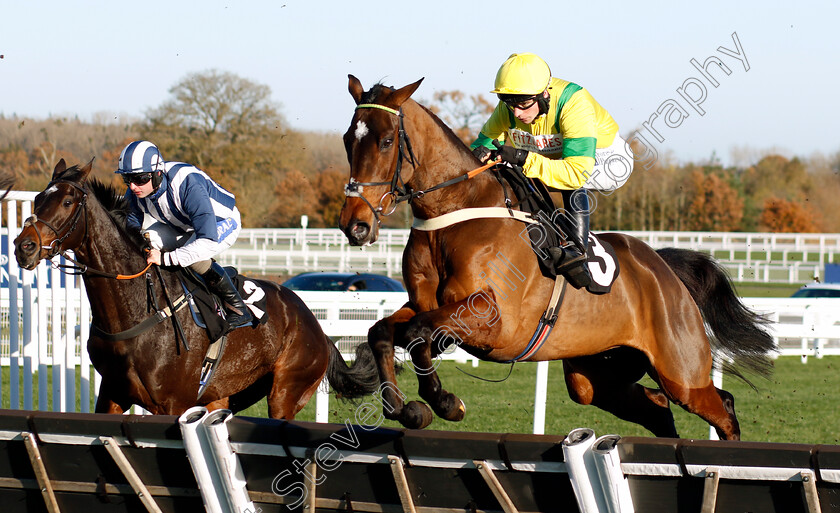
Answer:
[(451, 408), (416, 415)]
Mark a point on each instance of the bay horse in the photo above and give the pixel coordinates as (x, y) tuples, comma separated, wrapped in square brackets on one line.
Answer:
[(477, 284), (284, 359)]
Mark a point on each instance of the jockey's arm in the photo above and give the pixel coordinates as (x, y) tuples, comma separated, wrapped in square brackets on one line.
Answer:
[(197, 205), (578, 125)]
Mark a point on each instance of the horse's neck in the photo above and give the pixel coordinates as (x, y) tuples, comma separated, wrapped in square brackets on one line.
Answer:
[(107, 249), (440, 159)]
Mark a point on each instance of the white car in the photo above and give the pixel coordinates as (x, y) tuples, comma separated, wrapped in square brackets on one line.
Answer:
[(818, 290)]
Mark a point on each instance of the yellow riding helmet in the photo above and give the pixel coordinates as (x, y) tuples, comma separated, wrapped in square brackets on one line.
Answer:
[(522, 73)]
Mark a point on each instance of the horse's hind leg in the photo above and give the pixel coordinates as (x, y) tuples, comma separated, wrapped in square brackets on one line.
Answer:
[(595, 381), (717, 407)]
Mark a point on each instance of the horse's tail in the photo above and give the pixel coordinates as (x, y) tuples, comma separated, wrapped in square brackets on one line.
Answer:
[(737, 334), (356, 380)]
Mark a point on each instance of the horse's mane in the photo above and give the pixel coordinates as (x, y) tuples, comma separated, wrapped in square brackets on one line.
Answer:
[(112, 200), (374, 92)]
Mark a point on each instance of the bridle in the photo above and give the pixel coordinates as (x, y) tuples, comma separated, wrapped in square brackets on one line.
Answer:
[(54, 248), (399, 191)]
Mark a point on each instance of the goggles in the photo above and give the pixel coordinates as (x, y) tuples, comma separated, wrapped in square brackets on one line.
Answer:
[(521, 104), (137, 178)]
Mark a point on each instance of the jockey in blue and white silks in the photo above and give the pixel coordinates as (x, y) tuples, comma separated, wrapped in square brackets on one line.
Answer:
[(186, 203), (189, 219)]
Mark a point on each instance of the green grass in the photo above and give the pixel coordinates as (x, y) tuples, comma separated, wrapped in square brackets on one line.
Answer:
[(765, 289), (797, 405), (5, 399)]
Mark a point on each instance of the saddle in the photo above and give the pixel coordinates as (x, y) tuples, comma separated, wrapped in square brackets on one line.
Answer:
[(206, 308), (532, 196)]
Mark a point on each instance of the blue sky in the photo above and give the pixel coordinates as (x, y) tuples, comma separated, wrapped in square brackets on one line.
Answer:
[(82, 58)]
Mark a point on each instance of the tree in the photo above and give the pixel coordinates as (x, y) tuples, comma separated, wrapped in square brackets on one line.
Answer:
[(295, 197), (783, 216), (329, 187), (229, 127), (713, 204), (464, 114)]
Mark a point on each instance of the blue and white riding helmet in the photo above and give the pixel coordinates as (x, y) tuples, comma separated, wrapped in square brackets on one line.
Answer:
[(142, 157)]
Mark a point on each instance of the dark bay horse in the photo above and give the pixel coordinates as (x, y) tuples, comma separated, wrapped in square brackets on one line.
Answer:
[(477, 283), (284, 358)]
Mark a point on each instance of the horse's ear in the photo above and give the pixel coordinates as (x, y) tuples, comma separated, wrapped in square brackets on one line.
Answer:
[(401, 95), (85, 170), (60, 168), (356, 89)]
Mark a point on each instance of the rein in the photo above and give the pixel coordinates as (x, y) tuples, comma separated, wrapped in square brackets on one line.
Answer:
[(399, 190)]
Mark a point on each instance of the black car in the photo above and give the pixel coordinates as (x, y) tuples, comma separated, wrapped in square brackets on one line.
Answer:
[(339, 282)]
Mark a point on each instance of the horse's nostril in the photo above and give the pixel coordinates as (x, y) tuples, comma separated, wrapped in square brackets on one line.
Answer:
[(27, 246), (360, 231)]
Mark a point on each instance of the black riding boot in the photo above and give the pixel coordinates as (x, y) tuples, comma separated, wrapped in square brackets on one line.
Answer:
[(573, 261), (236, 312)]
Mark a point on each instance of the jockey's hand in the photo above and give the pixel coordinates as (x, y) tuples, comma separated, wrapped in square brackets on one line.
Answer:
[(482, 153), (153, 257), (511, 155)]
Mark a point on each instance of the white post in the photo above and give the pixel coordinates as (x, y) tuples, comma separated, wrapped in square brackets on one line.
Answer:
[(577, 453), (14, 314), (199, 456), (540, 398), (70, 347), (57, 343), (84, 335), (29, 348), (322, 402), (614, 483), (231, 475), (42, 335)]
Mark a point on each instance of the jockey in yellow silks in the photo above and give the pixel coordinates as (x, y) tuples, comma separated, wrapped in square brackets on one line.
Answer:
[(558, 133)]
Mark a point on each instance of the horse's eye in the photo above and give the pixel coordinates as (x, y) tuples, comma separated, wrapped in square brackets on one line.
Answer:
[(68, 202), (386, 143)]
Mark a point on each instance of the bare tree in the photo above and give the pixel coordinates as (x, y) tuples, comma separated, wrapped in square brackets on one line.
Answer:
[(464, 114)]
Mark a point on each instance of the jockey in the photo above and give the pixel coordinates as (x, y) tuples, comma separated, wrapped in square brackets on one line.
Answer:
[(189, 219), (558, 133)]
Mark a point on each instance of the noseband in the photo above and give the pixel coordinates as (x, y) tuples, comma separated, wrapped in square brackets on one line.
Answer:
[(54, 247)]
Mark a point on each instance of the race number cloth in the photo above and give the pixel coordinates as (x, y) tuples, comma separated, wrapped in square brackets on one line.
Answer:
[(603, 265)]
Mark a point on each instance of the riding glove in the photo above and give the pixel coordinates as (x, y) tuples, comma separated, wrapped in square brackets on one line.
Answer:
[(482, 153), (511, 155)]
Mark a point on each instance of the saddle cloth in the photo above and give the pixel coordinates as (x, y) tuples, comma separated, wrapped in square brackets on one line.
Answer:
[(207, 308)]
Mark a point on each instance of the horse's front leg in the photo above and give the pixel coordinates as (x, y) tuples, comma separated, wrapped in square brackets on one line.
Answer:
[(106, 404), (382, 337), (429, 334)]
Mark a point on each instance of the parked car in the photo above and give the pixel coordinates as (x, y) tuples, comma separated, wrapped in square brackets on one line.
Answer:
[(343, 282), (818, 290)]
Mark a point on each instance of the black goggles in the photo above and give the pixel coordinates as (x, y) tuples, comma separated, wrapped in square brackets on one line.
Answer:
[(521, 104), (137, 178)]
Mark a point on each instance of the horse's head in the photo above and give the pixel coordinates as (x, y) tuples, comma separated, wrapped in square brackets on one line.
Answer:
[(377, 147), (57, 222)]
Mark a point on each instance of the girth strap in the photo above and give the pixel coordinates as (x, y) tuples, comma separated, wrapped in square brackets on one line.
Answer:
[(546, 322), (148, 323)]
